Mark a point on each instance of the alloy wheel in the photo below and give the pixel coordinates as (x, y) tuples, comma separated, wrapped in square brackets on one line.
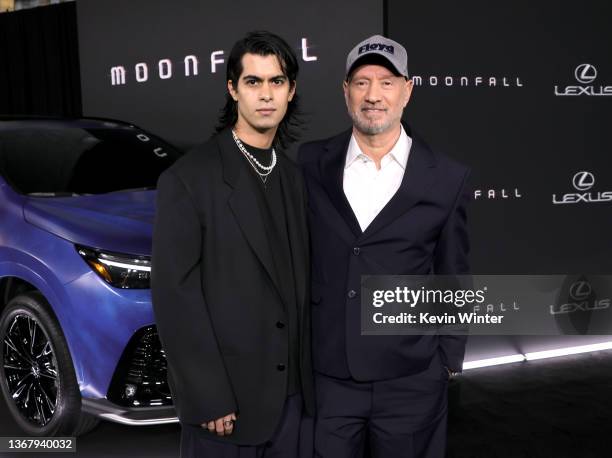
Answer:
[(30, 369)]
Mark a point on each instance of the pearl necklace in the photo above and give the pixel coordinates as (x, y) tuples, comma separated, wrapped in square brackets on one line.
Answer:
[(253, 160)]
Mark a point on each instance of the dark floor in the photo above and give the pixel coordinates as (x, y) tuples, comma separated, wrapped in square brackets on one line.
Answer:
[(559, 408)]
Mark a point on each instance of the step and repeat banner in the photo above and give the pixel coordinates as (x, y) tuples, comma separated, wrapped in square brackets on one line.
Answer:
[(162, 65), (520, 91)]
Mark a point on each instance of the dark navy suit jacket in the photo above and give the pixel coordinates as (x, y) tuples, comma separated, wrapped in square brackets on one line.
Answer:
[(421, 230)]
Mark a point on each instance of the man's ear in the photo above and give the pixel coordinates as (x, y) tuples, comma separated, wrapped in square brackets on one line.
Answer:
[(292, 90), (409, 87), (231, 90)]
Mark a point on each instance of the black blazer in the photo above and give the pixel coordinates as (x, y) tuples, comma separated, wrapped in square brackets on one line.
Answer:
[(421, 230), (215, 297)]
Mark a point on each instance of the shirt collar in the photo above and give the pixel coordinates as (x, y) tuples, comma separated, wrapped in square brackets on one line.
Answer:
[(399, 153)]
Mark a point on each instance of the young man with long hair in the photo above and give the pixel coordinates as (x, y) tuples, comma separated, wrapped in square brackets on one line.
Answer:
[(230, 266)]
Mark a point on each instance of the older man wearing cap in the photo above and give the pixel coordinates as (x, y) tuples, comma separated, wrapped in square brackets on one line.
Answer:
[(381, 202)]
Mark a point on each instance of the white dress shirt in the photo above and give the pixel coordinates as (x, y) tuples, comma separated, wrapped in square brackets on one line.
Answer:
[(367, 189)]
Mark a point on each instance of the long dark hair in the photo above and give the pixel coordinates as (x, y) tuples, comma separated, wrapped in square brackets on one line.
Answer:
[(264, 44)]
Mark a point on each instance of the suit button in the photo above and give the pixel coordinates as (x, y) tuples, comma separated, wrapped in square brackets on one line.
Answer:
[(356, 251), (352, 294), (280, 324), (280, 367)]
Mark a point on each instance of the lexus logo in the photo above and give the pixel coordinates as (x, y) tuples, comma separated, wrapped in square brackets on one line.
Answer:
[(580, 290), (585, 73), (583, 181)]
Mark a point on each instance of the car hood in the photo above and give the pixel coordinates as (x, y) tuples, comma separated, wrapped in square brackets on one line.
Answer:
[(120, 222)]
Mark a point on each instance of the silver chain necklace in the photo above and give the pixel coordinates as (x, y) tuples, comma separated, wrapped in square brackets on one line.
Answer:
[(254, 162)]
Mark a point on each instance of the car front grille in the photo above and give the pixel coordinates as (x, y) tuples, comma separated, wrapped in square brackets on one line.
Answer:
[(140, 377)]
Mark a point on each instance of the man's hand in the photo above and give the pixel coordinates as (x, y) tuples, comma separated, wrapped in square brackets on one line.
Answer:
[(451, 374), (222, 426)]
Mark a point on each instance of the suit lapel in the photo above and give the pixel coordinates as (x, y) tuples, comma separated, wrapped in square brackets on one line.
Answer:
[(417, 179), (243, 204), (331, 168)]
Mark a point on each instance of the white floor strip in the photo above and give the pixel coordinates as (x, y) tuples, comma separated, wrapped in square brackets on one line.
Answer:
[(568, 351), (493, 361), (536, 355)]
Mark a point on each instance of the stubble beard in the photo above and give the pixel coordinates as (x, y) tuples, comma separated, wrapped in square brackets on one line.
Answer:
[(370, 127)]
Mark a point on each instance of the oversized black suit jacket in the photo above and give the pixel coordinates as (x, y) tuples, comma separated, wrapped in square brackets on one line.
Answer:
[(216, 298), (421, 230)]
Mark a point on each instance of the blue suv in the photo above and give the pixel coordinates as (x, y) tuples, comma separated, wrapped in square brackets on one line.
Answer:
[(77, 336)]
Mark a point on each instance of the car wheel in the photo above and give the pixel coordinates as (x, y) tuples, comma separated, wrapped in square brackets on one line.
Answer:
[(38, 379)]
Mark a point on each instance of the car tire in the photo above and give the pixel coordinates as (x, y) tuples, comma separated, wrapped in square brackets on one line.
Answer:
[(37, 377)]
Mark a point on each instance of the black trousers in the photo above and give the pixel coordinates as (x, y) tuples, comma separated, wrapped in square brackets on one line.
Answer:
[(198, 443), (399, 418)]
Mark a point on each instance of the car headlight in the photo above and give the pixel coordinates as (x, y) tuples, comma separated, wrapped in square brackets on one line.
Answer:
[(119, 270)]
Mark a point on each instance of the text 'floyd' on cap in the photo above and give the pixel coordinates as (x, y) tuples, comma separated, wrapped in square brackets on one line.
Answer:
[(391, 50)]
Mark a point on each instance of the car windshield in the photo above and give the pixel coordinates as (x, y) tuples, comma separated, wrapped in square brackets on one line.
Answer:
[(50, 158)]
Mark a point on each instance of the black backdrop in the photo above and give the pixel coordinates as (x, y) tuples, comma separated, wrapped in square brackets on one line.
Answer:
[(518, 137), (183, 109)]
